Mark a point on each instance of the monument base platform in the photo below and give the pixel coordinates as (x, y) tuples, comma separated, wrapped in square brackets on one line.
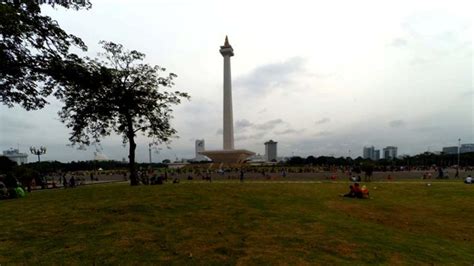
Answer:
[(228, 156)]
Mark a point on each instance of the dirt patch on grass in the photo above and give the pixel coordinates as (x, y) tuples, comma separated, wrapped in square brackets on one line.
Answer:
[(412, 219), (396, 259), (346, 249)]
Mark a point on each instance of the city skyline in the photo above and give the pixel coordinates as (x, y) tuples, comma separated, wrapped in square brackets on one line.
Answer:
[(367, 74)]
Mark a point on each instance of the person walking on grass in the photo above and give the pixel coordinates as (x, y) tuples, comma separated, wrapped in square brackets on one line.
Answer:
[(72, 182)]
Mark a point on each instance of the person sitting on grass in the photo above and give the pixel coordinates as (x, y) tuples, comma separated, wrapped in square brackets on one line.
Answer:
[(468, 180), (350, 194), (355, 192), (365, 192)]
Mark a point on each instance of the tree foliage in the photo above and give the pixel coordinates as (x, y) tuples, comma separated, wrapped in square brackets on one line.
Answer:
[(32, 47), (6, 165), (123, 95)]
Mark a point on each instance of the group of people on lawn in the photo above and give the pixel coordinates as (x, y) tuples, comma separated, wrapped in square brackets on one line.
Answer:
[(356, 191)]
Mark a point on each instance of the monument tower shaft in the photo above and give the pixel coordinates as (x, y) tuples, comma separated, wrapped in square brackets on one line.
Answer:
[(229, 154), (228, 128)]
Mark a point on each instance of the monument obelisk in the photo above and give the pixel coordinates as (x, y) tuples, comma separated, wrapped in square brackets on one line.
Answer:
[(228, 154), (227, 51)]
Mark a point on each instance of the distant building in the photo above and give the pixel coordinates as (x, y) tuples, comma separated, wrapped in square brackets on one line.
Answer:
[(257, 158), (390, 152), (468, 147), (270, 151), (199, 147), (376, 155), (450, 150), (371, 153), (368, 152), (16, 156)]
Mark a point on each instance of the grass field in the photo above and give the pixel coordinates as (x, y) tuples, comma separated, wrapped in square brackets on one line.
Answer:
[(233, 223)]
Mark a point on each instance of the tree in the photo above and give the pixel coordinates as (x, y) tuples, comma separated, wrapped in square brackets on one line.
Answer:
[(123, 95), (6, 165), (31, 48)]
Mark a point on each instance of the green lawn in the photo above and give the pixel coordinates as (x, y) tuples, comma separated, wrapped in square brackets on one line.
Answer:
[(233, 223)]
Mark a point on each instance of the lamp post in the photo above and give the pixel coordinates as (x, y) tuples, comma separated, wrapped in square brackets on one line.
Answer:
[(459, 154), (149, 151), (38, 152)]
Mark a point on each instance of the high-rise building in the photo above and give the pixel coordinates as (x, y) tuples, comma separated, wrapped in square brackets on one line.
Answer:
[(371, 153), (368, 152), (468, 147), (390, 152), (376, 155), (271, 150), (450, 150), (16, 156)]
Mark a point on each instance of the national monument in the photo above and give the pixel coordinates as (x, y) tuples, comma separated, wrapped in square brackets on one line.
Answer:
[(228, 154)]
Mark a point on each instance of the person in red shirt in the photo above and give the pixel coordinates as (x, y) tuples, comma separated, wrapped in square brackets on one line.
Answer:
[(355, 192)]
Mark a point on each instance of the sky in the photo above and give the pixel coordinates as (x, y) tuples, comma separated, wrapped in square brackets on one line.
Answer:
[(318, 77)]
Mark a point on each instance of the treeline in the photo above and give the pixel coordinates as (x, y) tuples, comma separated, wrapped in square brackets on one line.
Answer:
[(38, 168), (420, 160), (55, 166)]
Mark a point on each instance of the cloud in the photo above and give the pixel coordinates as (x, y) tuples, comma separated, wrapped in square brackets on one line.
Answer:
[(244, 123), (262, 111), (220, 131), (269, 124), (323, 120), (13, 124), (265, 77), (398, 42), (252, 136), (427, 129), (418, 61), (468, 94), (446, 36), (323, 134), (396, 123), (289, 131)]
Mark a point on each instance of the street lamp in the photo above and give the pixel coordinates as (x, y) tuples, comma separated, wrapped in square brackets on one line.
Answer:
[(459, 151), (38, 152)]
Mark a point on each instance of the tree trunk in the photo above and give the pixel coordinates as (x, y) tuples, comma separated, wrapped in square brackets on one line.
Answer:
[(131, 164), (131, 153)]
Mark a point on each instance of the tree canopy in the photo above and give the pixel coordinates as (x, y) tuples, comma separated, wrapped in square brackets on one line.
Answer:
[(123, 95), (32, 47)]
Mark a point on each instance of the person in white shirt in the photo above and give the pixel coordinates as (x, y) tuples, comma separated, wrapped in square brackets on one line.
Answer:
[(468, 180)]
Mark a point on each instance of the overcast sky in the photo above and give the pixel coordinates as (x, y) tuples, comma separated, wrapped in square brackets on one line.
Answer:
[(318, 77)]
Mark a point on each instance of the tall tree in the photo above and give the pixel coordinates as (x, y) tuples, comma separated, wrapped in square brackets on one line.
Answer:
[(30, 45), (123, 95)]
